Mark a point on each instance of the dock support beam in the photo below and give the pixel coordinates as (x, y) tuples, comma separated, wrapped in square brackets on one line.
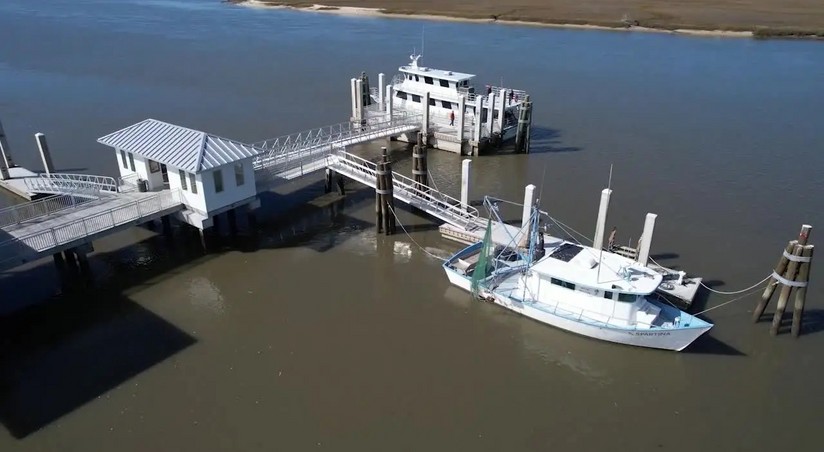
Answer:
[(598, 240), (419, 170), (5, 155), (529, 200), (501, 112), (646, 239), (354, 98), (524, 126), (389, 103), (477, 131), (167, 225), (359, 92), (466, 166), (48, 165), (384, 199), (461, 117), (425, 125), (490, 113), (381, 91)]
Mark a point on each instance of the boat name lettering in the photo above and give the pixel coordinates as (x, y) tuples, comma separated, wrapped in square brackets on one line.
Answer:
[(649, 333)]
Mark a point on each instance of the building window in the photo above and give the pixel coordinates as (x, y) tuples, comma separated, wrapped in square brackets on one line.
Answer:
[(131, 161), (193, 182), (239, 174), (182, 175), (416, 98), (562, 283), (445, 83), (401, 95), (446, 104), (428, 80), (608, 295), (417, 79), (218, 181), (123, 157), (431, 101)]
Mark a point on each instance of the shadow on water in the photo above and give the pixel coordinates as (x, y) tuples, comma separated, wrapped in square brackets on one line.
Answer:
[(811, 323), (545, 139), (74, 347), (708, 345), (664, 256)]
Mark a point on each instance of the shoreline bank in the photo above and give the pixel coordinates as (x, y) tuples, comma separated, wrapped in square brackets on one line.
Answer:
[(753, 32)]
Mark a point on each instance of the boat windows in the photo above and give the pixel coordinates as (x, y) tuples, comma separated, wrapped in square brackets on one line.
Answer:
[(566, 252), (562, 283), (416, 98), (608, 295), (446, 104), (431, 101), (626, 297), (428, 80), (417, 79), (445, 83), (401, 95)]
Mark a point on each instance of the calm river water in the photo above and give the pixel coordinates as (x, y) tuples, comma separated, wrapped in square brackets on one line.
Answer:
[(330, 337)]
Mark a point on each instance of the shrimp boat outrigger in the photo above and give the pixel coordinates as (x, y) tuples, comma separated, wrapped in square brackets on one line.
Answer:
[(572, 287)]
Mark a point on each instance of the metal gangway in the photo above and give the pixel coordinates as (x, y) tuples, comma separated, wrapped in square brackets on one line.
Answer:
[(422, 197), (292, 156), (82, 209)]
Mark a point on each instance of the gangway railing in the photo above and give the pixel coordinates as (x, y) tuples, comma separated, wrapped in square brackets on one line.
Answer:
[(120, 214), (292, 152), (433, 202), (79, 184), (41, 208)]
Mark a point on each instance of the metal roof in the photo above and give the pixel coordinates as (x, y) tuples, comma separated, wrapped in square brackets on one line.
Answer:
[(190, 150)]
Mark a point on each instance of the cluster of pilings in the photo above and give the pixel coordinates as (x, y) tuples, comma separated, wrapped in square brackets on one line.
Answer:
[(792, 272), (384, 198), (524, 126), (419, 170)]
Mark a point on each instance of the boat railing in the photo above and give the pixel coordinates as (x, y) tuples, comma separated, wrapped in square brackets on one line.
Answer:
[(594, 317)]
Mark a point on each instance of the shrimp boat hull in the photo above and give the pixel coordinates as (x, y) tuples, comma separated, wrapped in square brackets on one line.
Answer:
[(505, 291)]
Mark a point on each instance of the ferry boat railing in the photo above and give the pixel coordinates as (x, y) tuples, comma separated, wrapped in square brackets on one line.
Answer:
[(425, 198), (122, 213)]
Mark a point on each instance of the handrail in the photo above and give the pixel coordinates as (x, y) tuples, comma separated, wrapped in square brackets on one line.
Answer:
[(462, 215), (46, 239), (60, 183), (19, 213)]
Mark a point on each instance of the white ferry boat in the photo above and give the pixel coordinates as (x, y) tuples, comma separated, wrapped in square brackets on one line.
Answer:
[(576, 288), (496, 108)]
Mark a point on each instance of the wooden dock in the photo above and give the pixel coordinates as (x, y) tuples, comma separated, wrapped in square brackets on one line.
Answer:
[(17, 182)]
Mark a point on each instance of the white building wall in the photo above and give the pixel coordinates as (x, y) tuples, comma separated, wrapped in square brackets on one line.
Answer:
[(231, 192), (195, 201)]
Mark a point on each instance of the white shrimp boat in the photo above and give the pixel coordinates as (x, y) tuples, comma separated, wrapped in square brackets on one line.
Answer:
[(575, 288)]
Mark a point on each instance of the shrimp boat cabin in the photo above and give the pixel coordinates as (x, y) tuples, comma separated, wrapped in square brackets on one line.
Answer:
[(490, 115), (575, 288)]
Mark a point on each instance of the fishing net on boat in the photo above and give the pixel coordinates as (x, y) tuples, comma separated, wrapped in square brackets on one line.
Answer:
[(482, 267)]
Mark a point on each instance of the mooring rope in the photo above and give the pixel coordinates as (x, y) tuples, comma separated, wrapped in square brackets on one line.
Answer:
[(410, 237), (721, 292), (728, 302)]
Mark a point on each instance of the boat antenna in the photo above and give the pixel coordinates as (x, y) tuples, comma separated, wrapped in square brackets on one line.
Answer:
[(609, 183), (423, 28)]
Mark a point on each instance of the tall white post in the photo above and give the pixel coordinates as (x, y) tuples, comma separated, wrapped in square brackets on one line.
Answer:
[(359, 100), (425, 125), (390, 92), (465, 168), (354, 99), (5, 155), (646, 238), (529, 199), (598, 240), (490, 113), (501, 111), (48, 165), (380, 92), (461, 117), (477, 133)]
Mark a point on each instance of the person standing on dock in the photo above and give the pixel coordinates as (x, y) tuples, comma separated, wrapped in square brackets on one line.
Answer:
[(451, 117)]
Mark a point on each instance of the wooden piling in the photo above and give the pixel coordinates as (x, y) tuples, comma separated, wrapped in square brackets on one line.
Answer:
[(378, 199), (789, 275), (231, 218), (327, 186), (45, 154), (780, 268), (801, 293), (524, 126)]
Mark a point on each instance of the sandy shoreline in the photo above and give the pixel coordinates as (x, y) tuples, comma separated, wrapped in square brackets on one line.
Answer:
[(383, 13)]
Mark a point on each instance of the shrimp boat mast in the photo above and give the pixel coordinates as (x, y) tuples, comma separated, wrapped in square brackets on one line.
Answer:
[(573, 287)]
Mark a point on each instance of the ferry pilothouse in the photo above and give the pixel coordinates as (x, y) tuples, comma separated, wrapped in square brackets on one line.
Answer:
[(495, 108)]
